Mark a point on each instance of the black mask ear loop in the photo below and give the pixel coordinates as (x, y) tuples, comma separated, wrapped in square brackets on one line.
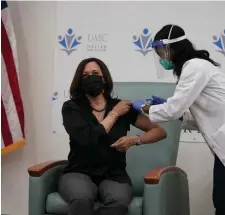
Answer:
[(103, 79)]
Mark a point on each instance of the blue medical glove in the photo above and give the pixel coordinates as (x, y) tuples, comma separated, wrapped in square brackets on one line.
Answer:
[(156, 100), (138, 104)]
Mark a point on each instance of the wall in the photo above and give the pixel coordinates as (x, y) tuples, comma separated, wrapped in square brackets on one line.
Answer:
[(118, 33), (34, 27), (34, 24)]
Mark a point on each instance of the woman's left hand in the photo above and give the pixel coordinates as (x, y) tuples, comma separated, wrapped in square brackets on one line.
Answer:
[(123, 144)]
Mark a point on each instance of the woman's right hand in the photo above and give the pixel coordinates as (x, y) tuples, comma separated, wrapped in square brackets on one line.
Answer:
[(122, 107)]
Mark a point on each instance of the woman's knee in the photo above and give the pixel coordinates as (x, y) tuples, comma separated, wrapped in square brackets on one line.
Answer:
[(122, 199), (82, 195), (115, 194), (73, 187)]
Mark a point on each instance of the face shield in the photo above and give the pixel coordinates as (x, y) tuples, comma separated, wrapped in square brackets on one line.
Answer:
[(162, 52)]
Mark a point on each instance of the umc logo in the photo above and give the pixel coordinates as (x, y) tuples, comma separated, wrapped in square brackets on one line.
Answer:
[(69, 41), (143, 42), (219, 42), (97, 42)]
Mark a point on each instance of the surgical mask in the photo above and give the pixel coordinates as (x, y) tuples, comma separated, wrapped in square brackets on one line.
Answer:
[(167, 64), (93, 85)]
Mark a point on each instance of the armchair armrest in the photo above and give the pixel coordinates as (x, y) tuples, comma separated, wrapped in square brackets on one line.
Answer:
[(39, 169), (166, 192), (43, 179), (154, 176)]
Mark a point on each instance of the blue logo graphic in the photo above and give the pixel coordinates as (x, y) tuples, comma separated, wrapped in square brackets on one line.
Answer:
[(143, 42), (69, 41), (220, 42)]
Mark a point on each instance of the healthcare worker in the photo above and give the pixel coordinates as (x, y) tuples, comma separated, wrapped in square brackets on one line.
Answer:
[(199, 97)]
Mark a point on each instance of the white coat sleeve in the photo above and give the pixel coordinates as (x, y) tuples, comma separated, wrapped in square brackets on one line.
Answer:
[(193, 80)]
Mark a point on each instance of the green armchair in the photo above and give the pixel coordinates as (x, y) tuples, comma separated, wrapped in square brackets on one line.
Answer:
[(159, 187)]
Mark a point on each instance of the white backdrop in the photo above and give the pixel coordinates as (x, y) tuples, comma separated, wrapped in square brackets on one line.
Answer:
[(109, 30)]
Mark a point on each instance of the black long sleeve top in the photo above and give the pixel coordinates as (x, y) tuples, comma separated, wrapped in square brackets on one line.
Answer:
[(89, 142)]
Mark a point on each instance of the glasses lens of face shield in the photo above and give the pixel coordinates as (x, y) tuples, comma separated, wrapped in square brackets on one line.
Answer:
[(162, 61), (158, 54), (161, 52)]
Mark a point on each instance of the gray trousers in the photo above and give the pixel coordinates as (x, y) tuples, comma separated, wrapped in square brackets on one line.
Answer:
[(81, 193)]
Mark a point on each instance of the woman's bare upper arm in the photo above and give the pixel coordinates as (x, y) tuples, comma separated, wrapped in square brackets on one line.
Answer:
[(144, 123)]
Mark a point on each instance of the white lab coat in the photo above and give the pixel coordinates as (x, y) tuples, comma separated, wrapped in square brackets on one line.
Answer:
[(200, 98)]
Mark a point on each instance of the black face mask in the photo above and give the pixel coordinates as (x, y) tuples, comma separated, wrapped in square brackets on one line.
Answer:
[(93, 85)]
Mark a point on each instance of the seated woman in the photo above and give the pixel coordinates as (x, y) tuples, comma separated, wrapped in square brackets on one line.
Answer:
[(97, 125)]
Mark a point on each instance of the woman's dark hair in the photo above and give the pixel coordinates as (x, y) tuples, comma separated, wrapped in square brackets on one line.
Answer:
[(182, 51), (76, 90)]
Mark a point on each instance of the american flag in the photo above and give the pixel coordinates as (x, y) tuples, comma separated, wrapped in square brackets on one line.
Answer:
[(12, 115)]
